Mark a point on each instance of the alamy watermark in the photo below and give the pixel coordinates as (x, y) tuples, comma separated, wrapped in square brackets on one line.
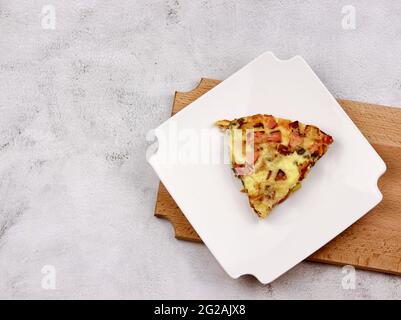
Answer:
[(187, 146), (349, 280), (48, 21), (348, 21), (49, 277)]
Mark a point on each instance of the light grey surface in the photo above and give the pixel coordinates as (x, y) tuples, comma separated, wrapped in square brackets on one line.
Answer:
[(76, 102)]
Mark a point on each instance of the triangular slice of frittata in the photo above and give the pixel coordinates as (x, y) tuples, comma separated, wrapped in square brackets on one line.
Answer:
[(272, 156)]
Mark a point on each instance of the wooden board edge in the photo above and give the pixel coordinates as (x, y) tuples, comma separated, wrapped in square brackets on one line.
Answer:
[(203, 85), (341, 264), (177, 234)]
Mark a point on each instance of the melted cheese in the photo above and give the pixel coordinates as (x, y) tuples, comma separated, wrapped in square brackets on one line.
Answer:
[(257, 182)]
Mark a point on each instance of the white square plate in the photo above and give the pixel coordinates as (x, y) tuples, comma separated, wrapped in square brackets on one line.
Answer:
[(339, 190)]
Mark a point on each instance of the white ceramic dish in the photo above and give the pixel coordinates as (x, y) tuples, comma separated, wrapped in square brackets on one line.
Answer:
[(339, 190)]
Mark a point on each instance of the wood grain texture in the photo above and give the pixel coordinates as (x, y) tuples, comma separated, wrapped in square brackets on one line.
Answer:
[(373, 242)]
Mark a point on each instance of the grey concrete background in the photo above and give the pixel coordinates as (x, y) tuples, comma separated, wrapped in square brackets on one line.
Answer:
[(75, 105)]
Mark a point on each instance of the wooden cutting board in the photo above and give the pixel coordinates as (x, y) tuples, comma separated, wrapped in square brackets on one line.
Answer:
[(373, 242)]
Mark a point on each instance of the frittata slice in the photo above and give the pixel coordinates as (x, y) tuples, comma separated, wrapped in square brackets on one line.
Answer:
[(272, 156)]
